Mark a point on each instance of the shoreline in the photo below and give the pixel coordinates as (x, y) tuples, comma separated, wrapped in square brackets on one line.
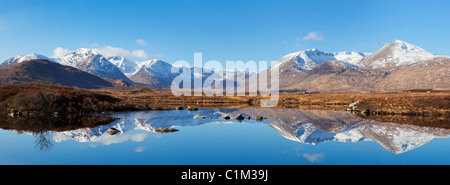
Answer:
[(34, 98), (421, 103)]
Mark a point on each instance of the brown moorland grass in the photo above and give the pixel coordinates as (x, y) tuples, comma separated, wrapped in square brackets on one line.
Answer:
[(36, 98), (426, 102), (54, 98)]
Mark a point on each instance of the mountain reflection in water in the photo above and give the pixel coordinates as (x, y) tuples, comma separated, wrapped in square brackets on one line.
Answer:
[(318, 126), (43, 127), (305, 126)]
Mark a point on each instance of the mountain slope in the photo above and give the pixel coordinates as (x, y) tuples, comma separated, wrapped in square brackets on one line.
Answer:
[(156, 73), (396, 66), (127, 66), (309, 59), (93, 62), (49, 72), (294, 67), (396, 53), (429, 74), (329, 77), (337, 76), (20, 58)]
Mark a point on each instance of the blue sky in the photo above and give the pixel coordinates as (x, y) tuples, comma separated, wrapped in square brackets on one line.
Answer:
[(221, 30)]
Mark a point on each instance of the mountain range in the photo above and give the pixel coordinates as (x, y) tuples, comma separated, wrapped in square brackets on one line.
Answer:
[(396, 66)]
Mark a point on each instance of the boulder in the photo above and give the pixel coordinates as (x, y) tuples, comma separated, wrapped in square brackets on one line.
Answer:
[(365, 112), (15, 114), (239, 117), (192, 108), (112, 131), (166, 130), (259, 118), (199, 117)]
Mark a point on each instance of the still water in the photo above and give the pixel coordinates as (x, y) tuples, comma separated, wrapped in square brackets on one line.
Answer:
[(286, 137)]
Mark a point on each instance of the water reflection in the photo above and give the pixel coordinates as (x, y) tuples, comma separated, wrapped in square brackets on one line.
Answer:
[(310, 127), (43, 142), (318, 126), (43, 128)]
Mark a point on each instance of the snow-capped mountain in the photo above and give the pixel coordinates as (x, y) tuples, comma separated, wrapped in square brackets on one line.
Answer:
[(20, 58), (93, 62), (350, 57), (158, 73), (396, 66), (159, 68), (307, 60), (154, 72), (127, 66), (87, 60), (396, 53)]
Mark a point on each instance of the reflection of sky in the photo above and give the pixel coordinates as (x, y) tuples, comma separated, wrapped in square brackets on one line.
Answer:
[(212, 141)]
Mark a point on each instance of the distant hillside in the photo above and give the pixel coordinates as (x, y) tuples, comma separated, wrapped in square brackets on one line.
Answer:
[(396, 66), (45, 71)]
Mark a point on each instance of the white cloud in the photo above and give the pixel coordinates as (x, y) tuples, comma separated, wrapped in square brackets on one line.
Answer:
[(140, 54), (313, 36), (109, 51), (313, 157), (141, 42), (60, 52), (107, 139)]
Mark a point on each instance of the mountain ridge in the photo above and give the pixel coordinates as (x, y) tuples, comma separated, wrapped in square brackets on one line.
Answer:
[(398, 65), (50, 72)]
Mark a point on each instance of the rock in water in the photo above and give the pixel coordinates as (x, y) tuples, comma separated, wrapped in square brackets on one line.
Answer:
[(365, 112), (113, 131), (239, 117), (166, 130), (192, 108)]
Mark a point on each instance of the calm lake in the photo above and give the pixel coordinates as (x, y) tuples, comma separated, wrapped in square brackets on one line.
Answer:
[(286, 137)]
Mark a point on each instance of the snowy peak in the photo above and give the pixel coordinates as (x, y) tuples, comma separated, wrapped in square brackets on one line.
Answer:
[(309, 59), (84, 59), (93, 62), (303, 60), (78, 57), (20, 58), (396, 53), (350, 57), (400, 47), (156, 73), (127, 66), (156, 66)]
